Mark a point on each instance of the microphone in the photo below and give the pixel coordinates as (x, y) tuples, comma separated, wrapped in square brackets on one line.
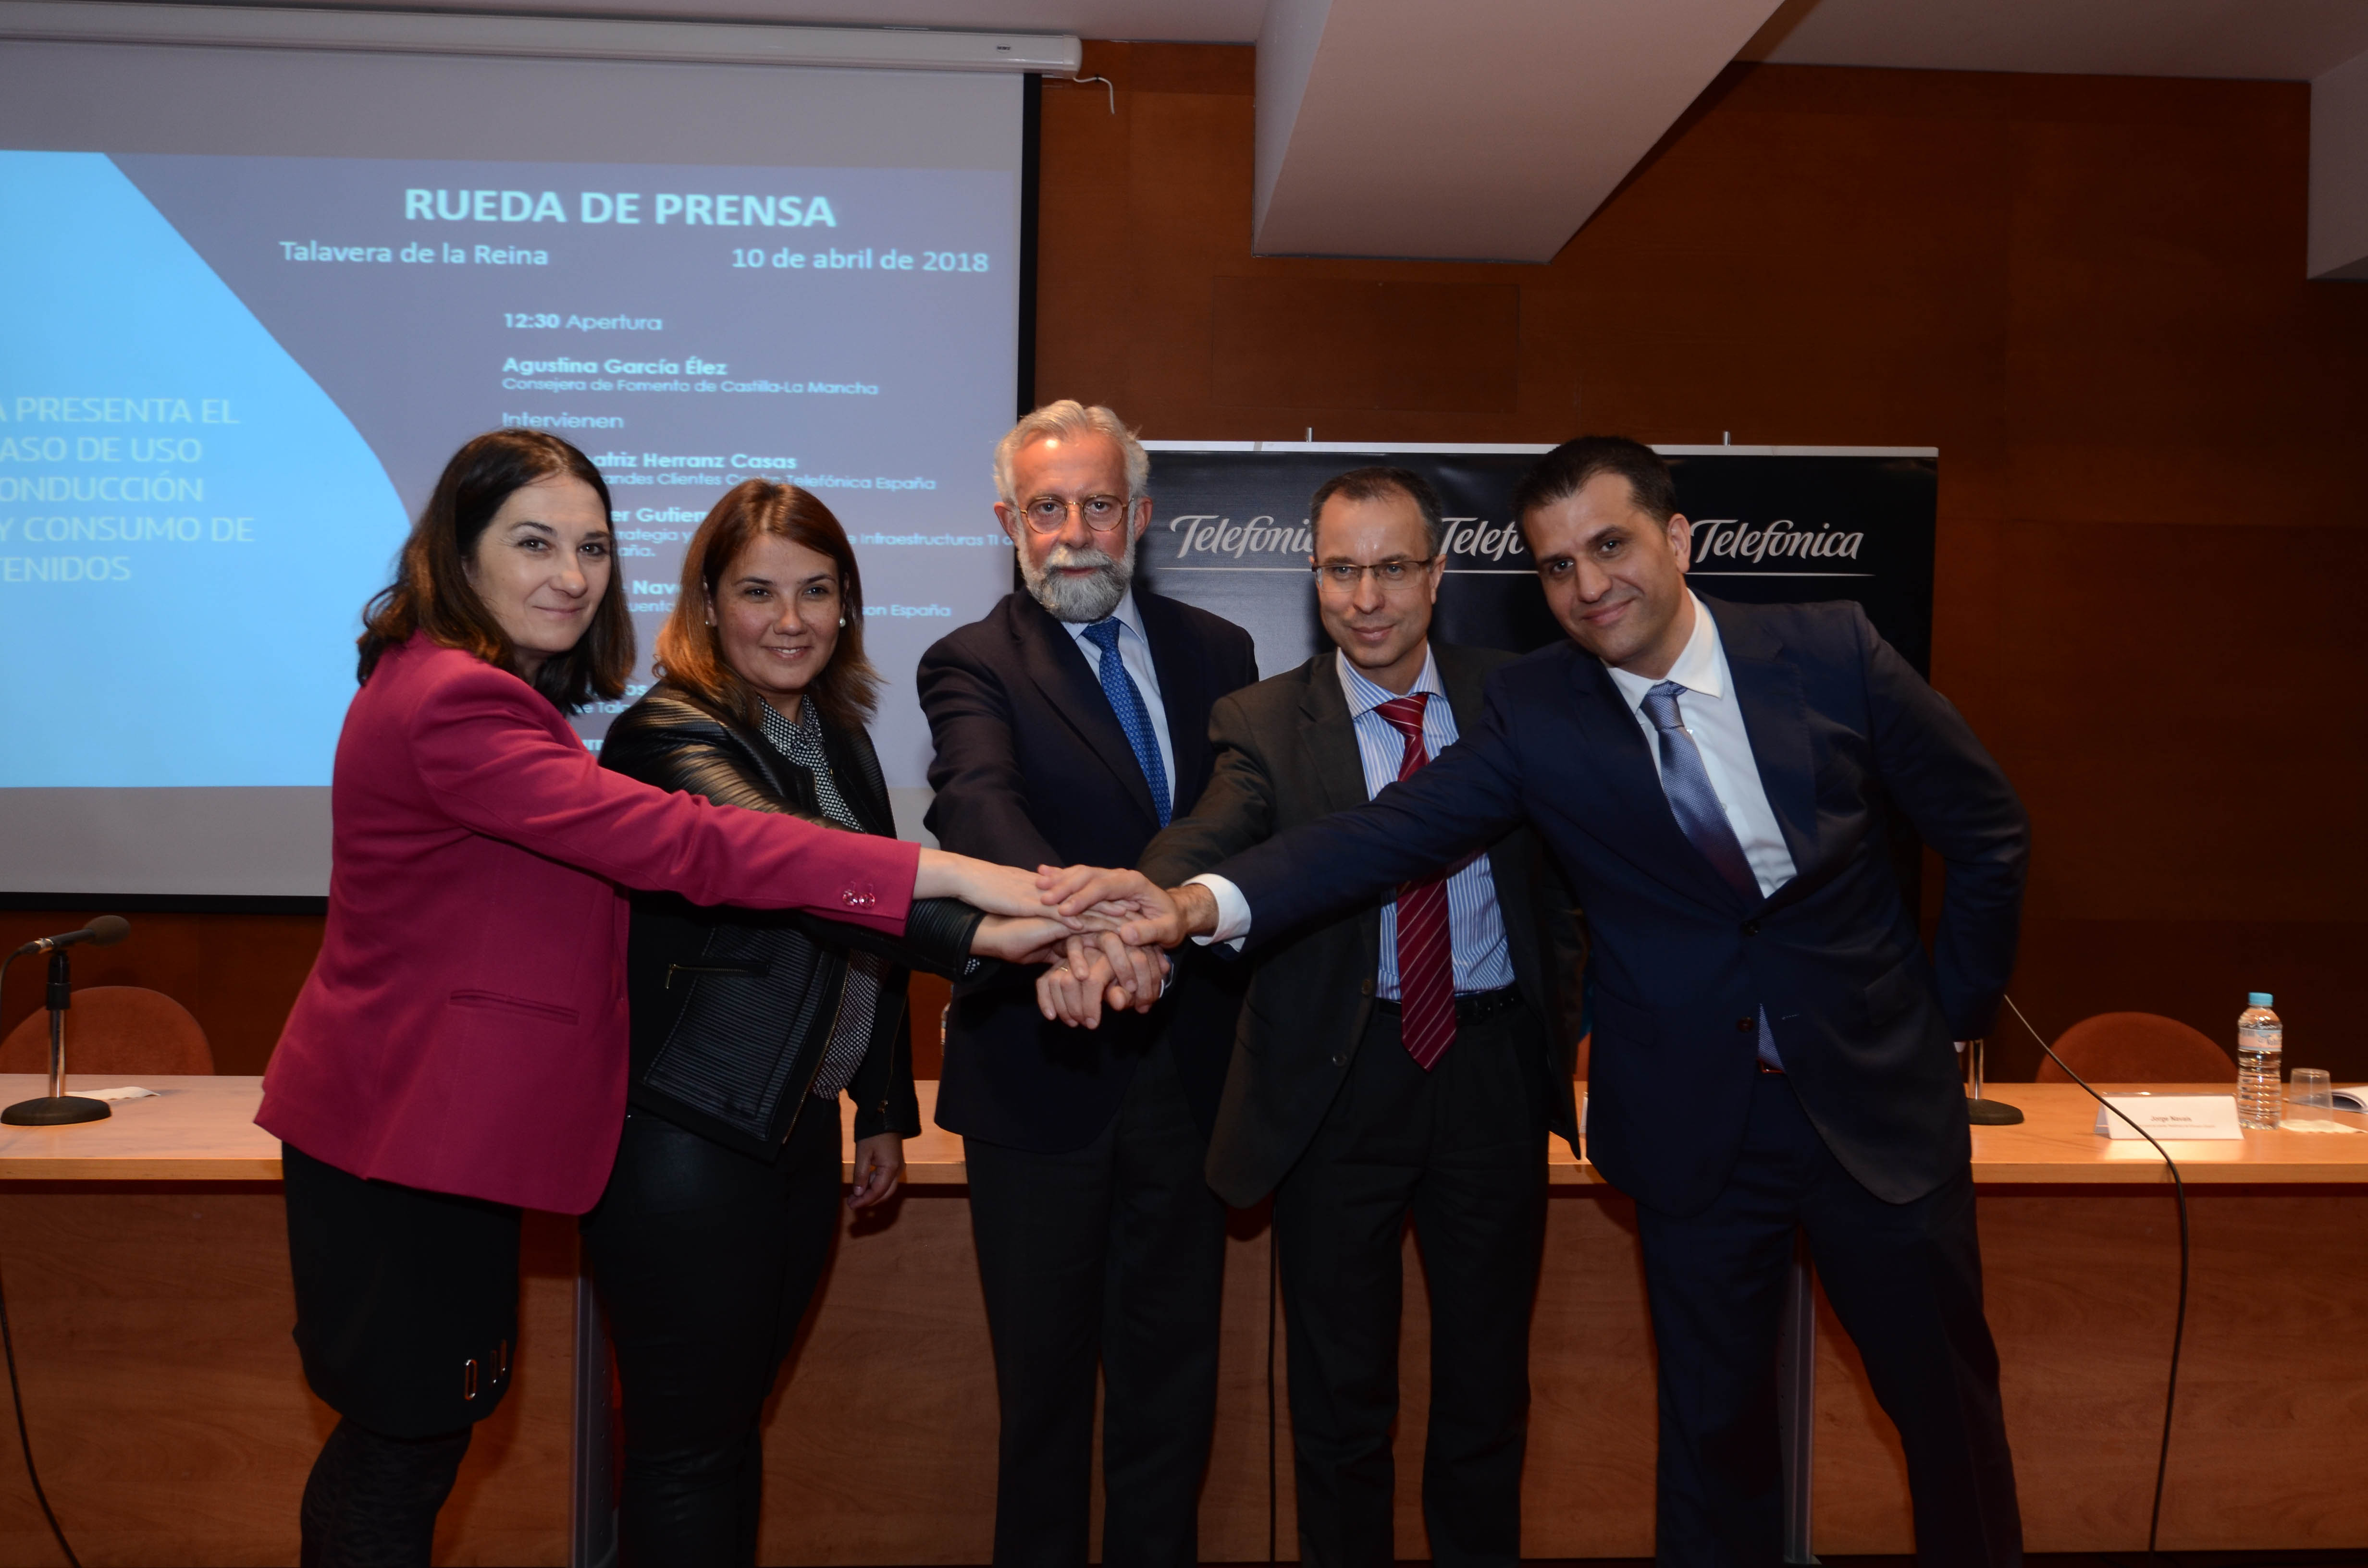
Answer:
[(103, 932), (58, 1108)]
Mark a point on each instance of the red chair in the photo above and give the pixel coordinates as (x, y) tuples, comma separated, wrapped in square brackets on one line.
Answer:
[(126, 1029), (2138, 1047)]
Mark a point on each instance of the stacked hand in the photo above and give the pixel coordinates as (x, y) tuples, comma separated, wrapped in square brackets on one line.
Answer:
[(1098, 933), (1133, 918)]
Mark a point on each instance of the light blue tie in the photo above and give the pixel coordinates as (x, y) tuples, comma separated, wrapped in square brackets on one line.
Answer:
[(1126, 702), (1695, 805)]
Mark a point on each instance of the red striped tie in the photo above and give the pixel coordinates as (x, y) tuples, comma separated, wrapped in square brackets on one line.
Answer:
[(1426, 959)]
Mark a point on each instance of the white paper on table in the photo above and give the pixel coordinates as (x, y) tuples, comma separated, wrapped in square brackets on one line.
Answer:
[(2313, 1124), (129, 1092)]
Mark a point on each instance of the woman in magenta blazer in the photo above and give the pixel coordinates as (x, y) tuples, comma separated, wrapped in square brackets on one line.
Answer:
[(459, 1051)]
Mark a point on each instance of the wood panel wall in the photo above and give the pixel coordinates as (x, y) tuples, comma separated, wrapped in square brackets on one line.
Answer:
[(2087, 292), (172, 1425)]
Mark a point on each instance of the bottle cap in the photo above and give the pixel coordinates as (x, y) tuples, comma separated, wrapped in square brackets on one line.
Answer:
[(2258, 999)]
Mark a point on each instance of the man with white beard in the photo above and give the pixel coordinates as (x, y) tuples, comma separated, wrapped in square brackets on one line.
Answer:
[(1071, 725)]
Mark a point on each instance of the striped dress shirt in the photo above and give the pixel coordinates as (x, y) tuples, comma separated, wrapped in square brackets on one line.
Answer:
[(1474, 926)]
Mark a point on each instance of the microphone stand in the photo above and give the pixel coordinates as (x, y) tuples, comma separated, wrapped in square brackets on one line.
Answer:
[(59, 1108), (1979, 1111)]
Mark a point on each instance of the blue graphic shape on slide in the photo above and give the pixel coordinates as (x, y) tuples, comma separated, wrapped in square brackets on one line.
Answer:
[(189, 523)]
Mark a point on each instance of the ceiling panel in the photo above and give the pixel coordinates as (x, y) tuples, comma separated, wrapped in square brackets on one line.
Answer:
[(2274, 39), (1184, 21)]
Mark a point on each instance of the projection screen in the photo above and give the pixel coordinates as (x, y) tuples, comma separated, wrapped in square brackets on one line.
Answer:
[(257, 297)]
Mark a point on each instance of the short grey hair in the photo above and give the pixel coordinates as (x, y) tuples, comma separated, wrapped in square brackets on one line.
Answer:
[(1069, 420)]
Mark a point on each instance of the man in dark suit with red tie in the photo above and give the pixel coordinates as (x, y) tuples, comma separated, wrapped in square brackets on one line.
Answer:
[(1404, 1061), (1071, 724), (1772, 1044)]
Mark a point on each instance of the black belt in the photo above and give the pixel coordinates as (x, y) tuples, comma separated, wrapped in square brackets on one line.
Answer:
[(1471, 1007)]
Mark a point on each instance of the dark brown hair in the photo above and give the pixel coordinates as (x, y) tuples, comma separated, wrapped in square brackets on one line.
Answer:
[(690, 655), (431, 591), (1565, 472), (1376, 484)]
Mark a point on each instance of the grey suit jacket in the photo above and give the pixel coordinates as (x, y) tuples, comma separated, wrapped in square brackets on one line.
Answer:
[(1286, 754)]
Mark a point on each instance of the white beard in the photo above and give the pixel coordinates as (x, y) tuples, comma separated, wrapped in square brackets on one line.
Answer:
[(1078, 599)]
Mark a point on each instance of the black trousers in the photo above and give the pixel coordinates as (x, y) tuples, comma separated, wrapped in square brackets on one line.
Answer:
[(1905, 1279), (705, 1260), (406, 1319), (1116, 1252), (407, 1300), (1462, 1150)]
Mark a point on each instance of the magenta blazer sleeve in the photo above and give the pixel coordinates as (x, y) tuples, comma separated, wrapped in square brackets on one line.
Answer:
[(464, 1027)]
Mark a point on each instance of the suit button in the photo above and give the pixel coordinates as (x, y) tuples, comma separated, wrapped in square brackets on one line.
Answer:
[(1367, 989), (859, 897), (1340, 1060), (1751, 927), (1747, 1026)]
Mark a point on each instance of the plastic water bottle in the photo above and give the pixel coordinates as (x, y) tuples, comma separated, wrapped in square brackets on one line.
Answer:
[(2261, 1058)]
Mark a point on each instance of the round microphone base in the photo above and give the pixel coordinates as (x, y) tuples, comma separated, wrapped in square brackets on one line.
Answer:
[(55, 1111), (1991, 1113)]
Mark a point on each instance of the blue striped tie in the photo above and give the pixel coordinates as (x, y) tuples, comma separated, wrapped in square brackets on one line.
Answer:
[(1694, 802), (1126, 702), (1686, 782)]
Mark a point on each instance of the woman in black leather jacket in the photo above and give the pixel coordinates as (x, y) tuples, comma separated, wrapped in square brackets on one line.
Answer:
[(718, 1218)]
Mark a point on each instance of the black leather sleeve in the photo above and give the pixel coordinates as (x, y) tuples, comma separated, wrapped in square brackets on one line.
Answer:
[(938, 933), (698, 766)]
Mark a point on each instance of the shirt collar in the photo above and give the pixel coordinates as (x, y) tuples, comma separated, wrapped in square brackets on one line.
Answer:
[(1126, 615), (783, 732), (1701, 666), (1364, 696)]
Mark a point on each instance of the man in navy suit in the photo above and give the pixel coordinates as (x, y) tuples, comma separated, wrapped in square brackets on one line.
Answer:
[(1072, 723), (1772, 1046)]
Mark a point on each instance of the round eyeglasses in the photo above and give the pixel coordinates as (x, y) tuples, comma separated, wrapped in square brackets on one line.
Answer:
[(1047, 513)]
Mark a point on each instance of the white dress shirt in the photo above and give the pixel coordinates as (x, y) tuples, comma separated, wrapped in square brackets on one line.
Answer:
[(1708, 710), (1134, 652), (1715, 719), (1476, 930)]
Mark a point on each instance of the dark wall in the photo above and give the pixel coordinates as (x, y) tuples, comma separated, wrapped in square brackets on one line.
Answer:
[(2087, 291)]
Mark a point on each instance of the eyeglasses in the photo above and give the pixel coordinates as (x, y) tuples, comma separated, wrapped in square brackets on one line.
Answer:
[(1395, 573), (1046, 514)]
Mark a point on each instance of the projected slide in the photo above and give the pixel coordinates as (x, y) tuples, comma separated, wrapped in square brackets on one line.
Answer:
[(228, 382)]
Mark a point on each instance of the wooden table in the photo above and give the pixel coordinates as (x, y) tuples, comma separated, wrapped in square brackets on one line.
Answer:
[(2055, 1146), (146, 1269)]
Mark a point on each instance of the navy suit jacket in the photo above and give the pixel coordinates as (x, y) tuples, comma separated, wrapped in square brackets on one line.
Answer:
[(1844, 732), (1033, 769)]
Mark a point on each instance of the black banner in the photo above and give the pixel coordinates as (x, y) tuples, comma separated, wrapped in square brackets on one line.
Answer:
[(1771, 525)]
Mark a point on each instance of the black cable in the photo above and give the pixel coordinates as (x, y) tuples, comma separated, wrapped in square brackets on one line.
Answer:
[(2178, 1319), (1273, 1286), (15, 1393)]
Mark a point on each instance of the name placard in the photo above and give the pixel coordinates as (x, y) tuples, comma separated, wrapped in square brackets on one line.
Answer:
[(2184, 1117)]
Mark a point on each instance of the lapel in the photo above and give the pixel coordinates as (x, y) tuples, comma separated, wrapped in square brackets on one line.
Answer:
[(771, 768), (1768, 690), (1053, 661), (854, 780), (1464, 682), (1183, 679), (1332, 735), (1617, 744), (1467, 681)]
